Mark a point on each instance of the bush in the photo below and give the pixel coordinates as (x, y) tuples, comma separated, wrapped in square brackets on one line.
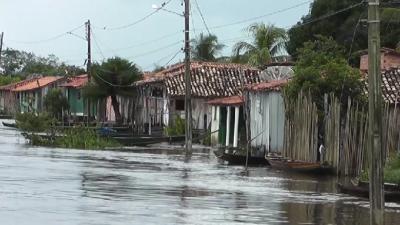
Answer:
[(178, 128), (31, 122), (84, 138), (55, 102)]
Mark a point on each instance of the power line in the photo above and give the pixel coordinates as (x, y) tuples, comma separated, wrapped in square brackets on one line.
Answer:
[(97, 44), (262, 16), (155, 50), (49, 39), (202, 17), (173, 57), (139, 20), (330, 14)]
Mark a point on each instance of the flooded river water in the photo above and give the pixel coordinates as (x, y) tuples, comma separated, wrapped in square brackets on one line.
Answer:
[(161, 186)]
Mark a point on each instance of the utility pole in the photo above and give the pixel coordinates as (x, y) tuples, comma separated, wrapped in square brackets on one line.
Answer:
[(88, 64), (1, 44), (188, 83), (377, 201)]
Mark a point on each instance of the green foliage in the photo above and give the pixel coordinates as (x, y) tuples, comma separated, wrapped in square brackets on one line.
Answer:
[(391, 172), (113, 77), (321, 68), (178, 128), (31, 122), (84, 138), (342, 26), (206, 47), (15, 62), (5, 79), (268, 41), (55, 102)]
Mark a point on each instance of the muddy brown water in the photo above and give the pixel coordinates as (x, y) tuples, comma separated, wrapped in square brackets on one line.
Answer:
[(161, 186)]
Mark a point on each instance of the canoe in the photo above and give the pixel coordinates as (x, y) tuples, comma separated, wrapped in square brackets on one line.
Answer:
[(363, 192), (147, 140), (13, 125), (236, 159), (299, 166)]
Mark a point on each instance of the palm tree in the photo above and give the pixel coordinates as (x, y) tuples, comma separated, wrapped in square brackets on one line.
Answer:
[(268, 41), (206, 47), (113, 78)]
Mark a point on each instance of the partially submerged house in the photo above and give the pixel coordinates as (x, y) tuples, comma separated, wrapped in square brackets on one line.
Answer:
[(29, 94), (161, 94), (73, 91), (7, 99), (266, 107)]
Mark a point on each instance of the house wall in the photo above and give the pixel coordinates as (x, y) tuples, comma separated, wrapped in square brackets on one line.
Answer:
[(75, 101), (267, 120), (201, 112), (387, 61), (8, 103)]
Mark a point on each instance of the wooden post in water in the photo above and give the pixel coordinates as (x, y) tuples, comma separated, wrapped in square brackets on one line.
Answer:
[(375, 116), (188, 83)]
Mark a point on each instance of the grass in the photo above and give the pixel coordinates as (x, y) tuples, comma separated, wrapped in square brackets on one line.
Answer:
[(391, 171)]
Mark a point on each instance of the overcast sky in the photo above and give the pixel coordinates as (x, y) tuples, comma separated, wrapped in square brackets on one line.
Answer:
[(155, 40)]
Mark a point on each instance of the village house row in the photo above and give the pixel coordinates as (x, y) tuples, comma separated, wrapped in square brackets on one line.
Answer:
[(219, 93)]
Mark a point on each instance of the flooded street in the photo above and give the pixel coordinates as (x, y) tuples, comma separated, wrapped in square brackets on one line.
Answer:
[(155, 186)]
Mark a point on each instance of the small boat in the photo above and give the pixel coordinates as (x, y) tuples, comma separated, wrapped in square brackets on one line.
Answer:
[(391, 192), (281, 163), (13, 125), (236, 159)]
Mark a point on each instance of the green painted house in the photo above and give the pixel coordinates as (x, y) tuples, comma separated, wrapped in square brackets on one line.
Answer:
[(73, 91)]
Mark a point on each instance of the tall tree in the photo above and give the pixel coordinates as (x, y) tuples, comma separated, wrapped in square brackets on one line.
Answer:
[(113, 78), (268, 41), (345, 26), (206, 47)]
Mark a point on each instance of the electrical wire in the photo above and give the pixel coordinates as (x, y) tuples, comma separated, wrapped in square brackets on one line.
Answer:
[(139, 20), (155, 50), (202, 17), (329, 15), (97, 44), (262, 16), (173, 57), (49, 39)]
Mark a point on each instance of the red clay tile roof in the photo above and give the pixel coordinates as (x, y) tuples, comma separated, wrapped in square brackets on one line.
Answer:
[(228, 101), (209, 79), (275, 85), (390, 85), (35, 83), (76, 81), (8, 87)]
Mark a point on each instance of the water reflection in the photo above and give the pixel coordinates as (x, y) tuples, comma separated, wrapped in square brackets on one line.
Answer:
[(161, 186)]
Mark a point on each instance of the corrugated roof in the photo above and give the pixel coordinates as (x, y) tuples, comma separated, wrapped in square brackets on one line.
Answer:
[(228, 101), (209, 79), (35, 83), (275, 85), (76, 81)]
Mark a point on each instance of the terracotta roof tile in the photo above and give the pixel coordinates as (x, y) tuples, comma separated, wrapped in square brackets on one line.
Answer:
[(229, 101), (275, 85), (209, 79), (76, 81), (35, 83), (390, 85)]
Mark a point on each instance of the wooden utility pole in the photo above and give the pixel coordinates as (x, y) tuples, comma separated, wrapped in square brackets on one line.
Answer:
[(188, 83), (88, 64), (1, 44), (375, 116)]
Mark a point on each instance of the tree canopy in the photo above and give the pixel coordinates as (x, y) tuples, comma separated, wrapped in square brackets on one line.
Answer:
[(113, 78), (321, 69), (344, 27), (206, 47), (21, 63), (268, 41), (55, 102)]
